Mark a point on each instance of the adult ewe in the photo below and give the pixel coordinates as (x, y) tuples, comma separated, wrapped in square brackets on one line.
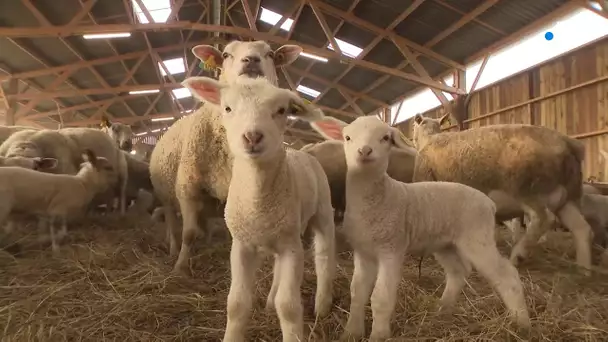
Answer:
[(190, 167), (121, 134), (535, 166)]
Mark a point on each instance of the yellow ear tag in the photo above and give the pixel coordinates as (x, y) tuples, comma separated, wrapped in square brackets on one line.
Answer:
[(209, 63), (297, 108)]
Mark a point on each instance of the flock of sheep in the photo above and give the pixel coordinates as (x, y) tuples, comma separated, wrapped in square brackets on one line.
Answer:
[(367, 187)]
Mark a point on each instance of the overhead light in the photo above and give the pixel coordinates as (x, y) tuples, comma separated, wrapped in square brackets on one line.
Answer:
[(596, 5), (133, 152), (308, 91), (107, 35), (155, 130), (140, 134), (181, 93), (173, 65), (149, 91), (347, 48), (187, 111), (163, 119), (272, 18), (315, 57)]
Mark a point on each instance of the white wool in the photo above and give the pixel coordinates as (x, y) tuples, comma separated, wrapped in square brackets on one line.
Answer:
[(388, 219), (190, 167), (56, 196), (275, 195)]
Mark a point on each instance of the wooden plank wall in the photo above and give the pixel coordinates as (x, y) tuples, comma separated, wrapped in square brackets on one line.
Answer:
[(568, 94)]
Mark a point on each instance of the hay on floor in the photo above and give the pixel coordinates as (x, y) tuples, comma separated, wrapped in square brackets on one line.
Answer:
[(112, 281)]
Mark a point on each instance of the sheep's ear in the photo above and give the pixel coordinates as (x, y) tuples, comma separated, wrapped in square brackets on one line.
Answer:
[(89, 156), (45, 163), (286, 54), (105, 122), (445, 119), (204, 88), (330, 128), (399, 140), (303, 109), (418, 119), (208, 55)]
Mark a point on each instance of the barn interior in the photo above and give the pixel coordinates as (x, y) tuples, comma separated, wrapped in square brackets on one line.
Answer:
[(70, 63)]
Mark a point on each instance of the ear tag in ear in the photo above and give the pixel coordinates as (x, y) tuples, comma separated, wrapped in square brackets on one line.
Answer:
[(209, 63), (296, 108)]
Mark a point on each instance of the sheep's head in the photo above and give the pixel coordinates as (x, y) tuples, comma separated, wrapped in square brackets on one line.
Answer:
[(37, 163), (367, 140), (250, 59), (254, 112), (121, 134), (425, 127), (97, 168)]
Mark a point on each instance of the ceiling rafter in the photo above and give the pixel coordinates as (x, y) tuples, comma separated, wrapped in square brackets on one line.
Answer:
[(461, 22), (62, 31)]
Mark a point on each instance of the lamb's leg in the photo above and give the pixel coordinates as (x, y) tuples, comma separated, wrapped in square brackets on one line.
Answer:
[(288, 299), (190, 211), (456, 271), (541, 220), (242, 289), (276, 277), (174, 230), (64, 229), (325, 259), (499, 272), (364, 275), (123, 194), (570, 216), (384, 296), (54, 244)]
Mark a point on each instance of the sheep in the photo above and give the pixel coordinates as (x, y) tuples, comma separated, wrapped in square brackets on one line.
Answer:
[(44, 143), (103, 146), (120, 133), (35, 163), (56, 196), (388, 219), (7, 131), (276, 193), (190, 167), (138, 177), (537, 167)]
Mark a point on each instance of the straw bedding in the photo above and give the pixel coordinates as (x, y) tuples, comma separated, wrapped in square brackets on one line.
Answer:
[(112, 281)]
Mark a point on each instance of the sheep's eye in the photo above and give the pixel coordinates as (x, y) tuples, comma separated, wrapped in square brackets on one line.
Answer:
[(281, 111), (386, 137), (225, 55), (347, 138), (228, 109)]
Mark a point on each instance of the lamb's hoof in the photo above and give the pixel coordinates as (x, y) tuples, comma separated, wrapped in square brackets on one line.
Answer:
[(181, 272), (270, 308), (517, 260), (379, 336), (323, 306), (350, 336)]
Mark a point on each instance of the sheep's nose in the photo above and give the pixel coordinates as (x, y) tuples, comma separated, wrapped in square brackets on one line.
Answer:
[(251, 59), (253, 137), (365, 151)]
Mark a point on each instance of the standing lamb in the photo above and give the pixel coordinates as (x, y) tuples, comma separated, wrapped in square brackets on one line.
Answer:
[(121, 134), (275, 195), (56, 196), (536, 166), (190, 167), (387, 219)]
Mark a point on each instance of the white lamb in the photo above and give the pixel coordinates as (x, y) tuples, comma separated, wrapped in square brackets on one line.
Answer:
[(121, 134), (190, 167), (55, 196), (275, 195), (7, 131), (386, 219)]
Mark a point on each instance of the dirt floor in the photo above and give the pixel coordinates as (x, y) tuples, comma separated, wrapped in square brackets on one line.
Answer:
[(111, 281)]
